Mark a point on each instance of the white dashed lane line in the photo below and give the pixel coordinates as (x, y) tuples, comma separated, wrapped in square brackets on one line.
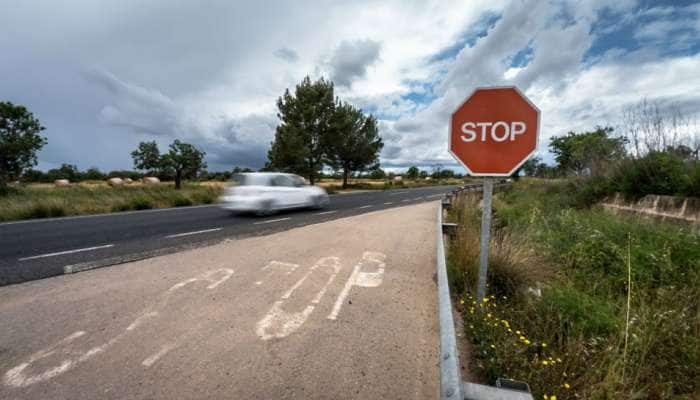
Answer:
[(367, 206), (193, 233), (388, 202), (60, 253), (435, 195), (269, 221), (327, 212), (405, 200), (394, 194)]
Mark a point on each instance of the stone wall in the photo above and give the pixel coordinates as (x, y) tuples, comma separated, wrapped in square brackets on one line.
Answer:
[(685, 209)]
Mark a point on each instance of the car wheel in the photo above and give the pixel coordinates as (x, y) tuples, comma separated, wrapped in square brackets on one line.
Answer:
[(320, 201), (265, 208)]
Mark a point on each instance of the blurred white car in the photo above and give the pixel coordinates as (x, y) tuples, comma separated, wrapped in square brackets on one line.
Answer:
[(266, 192)]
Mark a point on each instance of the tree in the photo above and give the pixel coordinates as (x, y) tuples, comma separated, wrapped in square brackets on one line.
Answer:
[(306, 118), (353, 143), (529, 167), (94, 174), (66, 171), (588, 153), (19, 141), (147, 157), (184, 160), (413, 172), (376, 173)]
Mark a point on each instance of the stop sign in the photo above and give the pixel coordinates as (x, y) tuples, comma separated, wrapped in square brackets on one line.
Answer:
[(494, 131)]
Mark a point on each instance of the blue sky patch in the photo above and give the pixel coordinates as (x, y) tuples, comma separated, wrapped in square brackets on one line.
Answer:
[(469, 37)]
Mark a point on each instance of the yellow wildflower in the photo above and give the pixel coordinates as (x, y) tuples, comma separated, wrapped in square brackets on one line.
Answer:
[(544, 344), (566, 385), (545, 362), (527, 342), (461, 301)]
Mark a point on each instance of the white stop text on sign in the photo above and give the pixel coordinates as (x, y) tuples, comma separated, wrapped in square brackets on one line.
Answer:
[(498, 131)]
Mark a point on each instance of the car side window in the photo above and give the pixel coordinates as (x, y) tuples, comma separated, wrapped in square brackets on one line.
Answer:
[(282, 180)]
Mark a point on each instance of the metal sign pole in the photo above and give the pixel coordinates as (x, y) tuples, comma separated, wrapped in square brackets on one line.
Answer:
[(485, 239)]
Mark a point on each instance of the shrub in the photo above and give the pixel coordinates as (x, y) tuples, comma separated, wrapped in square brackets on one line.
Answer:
[(656, 173), (181, 201), (141, 203)]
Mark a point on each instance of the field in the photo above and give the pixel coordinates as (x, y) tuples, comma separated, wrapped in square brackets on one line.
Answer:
[(334, 185), (560, 313), (45, 200), (41, 200)]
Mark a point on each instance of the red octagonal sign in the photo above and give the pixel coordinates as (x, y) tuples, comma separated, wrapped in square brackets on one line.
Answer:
[(494, 131)]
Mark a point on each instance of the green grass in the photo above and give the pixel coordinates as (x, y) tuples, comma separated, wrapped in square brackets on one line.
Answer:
[(42, 201), (558, 276)]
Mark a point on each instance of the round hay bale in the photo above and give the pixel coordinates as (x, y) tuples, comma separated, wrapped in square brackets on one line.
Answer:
[(128, 181), (61, 182), (151, 180), (115, 181), (398, 179)]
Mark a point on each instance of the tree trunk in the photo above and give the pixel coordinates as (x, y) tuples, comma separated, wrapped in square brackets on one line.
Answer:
[(345, 178), (178, 179)]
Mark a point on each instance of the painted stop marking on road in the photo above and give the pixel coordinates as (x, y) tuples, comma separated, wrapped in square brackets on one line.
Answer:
[(494, 131)]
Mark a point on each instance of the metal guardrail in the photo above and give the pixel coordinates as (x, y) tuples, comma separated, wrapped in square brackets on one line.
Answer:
[(451, 385)]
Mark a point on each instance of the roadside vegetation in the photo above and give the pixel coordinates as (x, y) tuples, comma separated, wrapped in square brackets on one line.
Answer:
[(45, 200), (557, 312)]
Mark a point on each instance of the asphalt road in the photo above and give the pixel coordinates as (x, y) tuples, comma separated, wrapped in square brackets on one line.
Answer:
[(39, 249), (344, 309)]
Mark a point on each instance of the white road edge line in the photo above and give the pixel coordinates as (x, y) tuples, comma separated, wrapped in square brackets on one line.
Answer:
[(367, 206), (271, 221), (193, 233), (418, 198), (327, 212), (395, 193), (405, 200), (60, 253), (435, 195), (388, 202)]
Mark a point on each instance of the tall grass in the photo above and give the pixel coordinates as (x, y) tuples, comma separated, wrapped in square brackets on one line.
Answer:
[(41, 201), (558, 286)]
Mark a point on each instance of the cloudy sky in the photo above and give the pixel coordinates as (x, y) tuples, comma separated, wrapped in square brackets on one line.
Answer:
[(103, 75)]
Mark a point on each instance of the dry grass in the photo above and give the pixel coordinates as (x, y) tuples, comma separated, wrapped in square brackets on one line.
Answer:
[(45, 200)]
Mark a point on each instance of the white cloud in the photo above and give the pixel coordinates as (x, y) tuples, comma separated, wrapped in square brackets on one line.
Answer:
[(211, 74)]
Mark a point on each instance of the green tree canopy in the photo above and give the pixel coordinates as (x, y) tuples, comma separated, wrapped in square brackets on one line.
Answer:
[(588, 153), (413, 172), (147, 157), (184, 160), (19, 141), (306, 118), (353, 143)]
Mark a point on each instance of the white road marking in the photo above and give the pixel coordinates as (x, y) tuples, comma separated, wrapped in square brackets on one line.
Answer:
[(388, 202), (327, 212), (60, 253), (435, 195), (193, 233), (16, 376), (278, 323), (269, 221), (418, 198), (274, 266), (405, 200), (367, 206), (395, 193), (153, 358), (359, 278)]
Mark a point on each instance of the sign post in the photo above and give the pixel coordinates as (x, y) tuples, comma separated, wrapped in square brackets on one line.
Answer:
[(492, 134)]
